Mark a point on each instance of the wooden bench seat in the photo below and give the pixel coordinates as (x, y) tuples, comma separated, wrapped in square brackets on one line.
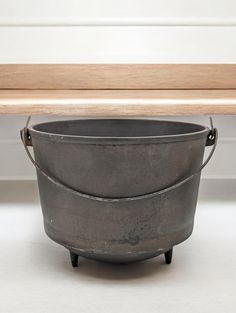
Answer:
[(118, 102), (118, 89)]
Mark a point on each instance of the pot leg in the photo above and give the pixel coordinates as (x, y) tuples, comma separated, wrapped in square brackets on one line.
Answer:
[(168, 256), (74, 259)]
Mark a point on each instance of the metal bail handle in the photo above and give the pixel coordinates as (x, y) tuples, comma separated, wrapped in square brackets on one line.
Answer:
[(212, 134), (212, 138)]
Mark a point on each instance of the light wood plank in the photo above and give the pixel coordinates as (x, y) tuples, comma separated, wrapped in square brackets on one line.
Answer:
[(118, 102), (117, 76)]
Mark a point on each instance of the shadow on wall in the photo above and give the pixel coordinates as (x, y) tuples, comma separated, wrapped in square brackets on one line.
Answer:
[(19, 192)]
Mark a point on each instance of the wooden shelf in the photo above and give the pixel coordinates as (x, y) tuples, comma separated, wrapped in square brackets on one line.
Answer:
[(118, 102)]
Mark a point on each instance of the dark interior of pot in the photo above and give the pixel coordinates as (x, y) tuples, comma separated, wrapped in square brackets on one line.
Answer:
[(118, 128)]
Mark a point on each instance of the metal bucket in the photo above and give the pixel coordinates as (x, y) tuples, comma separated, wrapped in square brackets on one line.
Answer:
[(118, 190)]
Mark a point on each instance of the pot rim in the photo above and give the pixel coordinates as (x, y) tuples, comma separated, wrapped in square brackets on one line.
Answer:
[(203, 132)]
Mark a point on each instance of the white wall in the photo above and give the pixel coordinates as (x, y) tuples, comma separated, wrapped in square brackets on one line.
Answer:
[(122, 12), (124, 31)]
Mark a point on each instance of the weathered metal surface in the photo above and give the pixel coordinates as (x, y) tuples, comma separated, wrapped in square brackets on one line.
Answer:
[(118, 158)]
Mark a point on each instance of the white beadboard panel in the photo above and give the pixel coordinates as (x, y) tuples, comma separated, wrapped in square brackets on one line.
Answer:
[(15, 165), (222, 164), (118, 45), (122, 12), (11, 125)]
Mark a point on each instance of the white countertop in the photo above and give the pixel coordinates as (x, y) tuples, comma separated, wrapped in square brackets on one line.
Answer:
[(36, 274)]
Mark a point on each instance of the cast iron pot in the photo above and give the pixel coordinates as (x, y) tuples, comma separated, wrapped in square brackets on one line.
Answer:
[(118, 190)]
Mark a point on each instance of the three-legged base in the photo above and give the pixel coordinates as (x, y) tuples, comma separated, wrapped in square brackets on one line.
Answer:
[(74, 257), (168, 256)]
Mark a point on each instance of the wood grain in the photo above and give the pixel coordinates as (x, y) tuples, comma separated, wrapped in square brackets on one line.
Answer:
[(95, 103), (117, 76)]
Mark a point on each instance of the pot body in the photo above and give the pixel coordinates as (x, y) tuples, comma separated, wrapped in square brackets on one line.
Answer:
[(118, 161)]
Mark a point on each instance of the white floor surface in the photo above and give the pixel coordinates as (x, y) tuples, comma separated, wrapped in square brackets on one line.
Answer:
[(36, 275)]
